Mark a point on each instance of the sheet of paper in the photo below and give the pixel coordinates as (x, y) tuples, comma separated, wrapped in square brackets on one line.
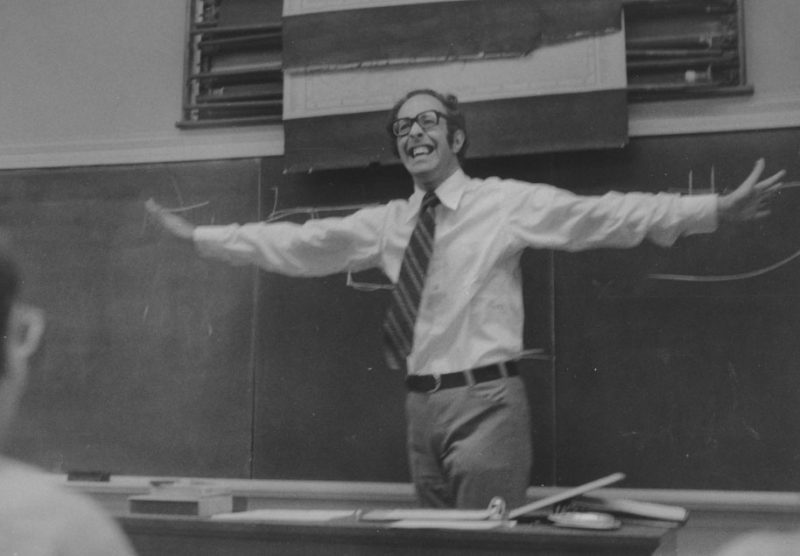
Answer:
[(297, 516), (424, 514), (455, 524)]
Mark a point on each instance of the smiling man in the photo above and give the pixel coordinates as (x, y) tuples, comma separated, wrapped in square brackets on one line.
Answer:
[(430, 152), (454, 325)]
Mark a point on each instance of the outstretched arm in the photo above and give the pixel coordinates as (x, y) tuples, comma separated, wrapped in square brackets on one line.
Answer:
[(316, 248), (750, 200), (172, 223)]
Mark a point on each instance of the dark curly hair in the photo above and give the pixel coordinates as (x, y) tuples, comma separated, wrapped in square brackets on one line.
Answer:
[(455, 118)]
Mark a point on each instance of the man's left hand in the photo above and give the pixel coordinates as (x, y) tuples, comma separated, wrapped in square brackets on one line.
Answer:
[(750, 201)]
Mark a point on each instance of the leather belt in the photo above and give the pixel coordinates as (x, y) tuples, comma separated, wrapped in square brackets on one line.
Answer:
[(432, 383)]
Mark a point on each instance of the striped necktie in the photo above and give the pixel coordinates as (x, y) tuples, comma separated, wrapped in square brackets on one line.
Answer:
[(398, 328)]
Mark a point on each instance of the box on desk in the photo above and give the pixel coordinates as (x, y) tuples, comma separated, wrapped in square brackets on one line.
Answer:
[(182, 499)]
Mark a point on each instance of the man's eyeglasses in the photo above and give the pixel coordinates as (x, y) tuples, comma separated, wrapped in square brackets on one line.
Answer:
[(426, 120)]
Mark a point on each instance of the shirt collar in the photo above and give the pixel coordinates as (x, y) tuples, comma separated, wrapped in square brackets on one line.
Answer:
[(449, 192)]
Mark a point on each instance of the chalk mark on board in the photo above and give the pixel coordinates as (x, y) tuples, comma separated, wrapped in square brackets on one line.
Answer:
[(725, 277), (729, 277), (313, 213), (188, 207), (690, 186), (206, 319)]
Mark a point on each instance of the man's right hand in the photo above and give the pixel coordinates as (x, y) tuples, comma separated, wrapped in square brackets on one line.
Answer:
[(174, 224)]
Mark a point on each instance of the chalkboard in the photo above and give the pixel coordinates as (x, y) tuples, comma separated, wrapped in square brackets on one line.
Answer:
[(146, 366), (326, 406), (683, 384), (157, 362), (677, 384)]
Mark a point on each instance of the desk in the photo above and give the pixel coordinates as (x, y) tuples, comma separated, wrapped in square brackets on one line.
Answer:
[(178, 536), (716, 516)]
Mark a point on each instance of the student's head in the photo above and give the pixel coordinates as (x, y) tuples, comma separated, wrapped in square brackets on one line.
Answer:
[(429, 134), (20, 330)]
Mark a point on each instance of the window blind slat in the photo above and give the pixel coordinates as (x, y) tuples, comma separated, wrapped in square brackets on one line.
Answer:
[(681, 49), (233, 73)]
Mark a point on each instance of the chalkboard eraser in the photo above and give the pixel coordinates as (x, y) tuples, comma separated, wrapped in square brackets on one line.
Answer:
[(94, 476)]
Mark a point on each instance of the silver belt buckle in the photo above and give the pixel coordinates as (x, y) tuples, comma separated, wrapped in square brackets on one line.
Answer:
[(438, 384)]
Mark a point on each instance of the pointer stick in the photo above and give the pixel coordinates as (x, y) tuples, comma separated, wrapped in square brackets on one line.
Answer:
[(566, 495)]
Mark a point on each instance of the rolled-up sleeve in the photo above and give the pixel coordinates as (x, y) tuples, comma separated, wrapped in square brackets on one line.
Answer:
[(315, 248)]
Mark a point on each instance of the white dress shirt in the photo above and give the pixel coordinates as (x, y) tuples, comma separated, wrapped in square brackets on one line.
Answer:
[(471, 313), (39, 517)]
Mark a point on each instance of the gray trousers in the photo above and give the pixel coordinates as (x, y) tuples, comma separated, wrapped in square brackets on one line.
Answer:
[(469, 444)]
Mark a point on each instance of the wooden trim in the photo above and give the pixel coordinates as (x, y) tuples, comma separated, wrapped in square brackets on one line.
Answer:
[(538, 124), (713, 115), (345, 493), (183, 145)]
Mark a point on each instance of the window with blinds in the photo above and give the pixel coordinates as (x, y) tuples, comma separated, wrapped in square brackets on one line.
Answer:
[(233, 70), (684, 49), (675, 49)]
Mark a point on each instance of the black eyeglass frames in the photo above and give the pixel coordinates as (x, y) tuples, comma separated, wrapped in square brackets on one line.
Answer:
[(426, 120)]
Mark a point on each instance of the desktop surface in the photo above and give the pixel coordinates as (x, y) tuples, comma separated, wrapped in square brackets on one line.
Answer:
[(179, 535)]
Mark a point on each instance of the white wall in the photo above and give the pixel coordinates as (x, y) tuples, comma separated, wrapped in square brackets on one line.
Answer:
[(100, 81), (87, 82)]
